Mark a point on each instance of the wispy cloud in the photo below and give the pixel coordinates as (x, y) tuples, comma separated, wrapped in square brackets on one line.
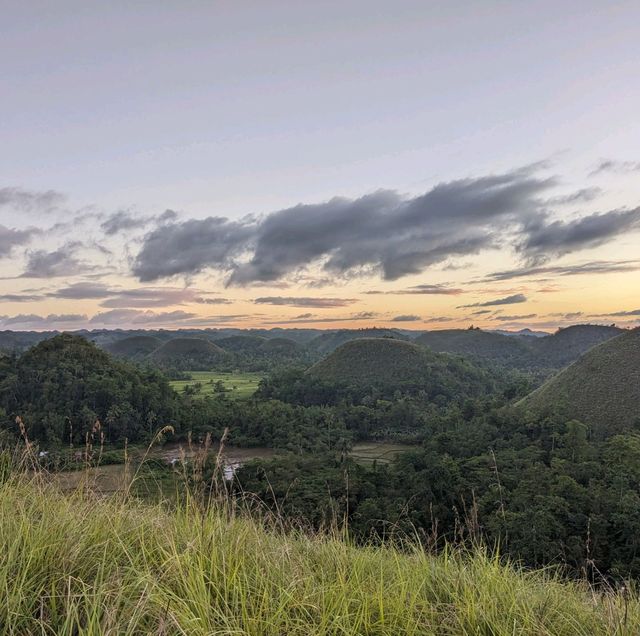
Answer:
[(593, 267), (424, 289), (406, 318), (619, 167), (304, 301), (24, 200), (507, 300)]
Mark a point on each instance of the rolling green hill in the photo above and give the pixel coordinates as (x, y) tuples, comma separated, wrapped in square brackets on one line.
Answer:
[(542, 355), (389, 363), (241, 343), (568, 344), (508, 351), (328, 342), (281, 345), (601, 389), (134, 347), (192, 354)]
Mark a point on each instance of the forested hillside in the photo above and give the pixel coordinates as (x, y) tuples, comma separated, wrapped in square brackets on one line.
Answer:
[(63, 385)]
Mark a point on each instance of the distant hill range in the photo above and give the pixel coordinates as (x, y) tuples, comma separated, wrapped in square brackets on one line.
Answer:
[(522, 332), (264, 349), (602, 388), (524, 352)]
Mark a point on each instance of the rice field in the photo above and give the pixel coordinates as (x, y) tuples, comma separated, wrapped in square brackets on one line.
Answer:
[(237, 385)]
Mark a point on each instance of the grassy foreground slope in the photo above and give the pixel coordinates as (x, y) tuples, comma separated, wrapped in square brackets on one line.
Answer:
[(601, 389), (80, 565)]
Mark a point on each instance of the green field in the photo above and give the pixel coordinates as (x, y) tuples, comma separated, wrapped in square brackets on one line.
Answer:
[(237, 385), (381, 452)]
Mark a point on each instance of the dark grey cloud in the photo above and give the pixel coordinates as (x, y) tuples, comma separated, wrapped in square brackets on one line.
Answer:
[(481, 312), (592, 267), (191, 246), (544, 240), (406, 318), (30, 200), (10, 238), (619, 167), (507, 300), (387, 233), (60, 262), (381, 232), (298, 301)]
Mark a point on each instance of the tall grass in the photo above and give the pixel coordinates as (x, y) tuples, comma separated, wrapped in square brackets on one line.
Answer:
[(82, 564)]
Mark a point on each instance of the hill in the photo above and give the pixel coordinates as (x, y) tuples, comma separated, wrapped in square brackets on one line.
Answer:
[(507, 351), (568, 344), (63, 385), (328, 342), (542, 355), (190, 354), (241, 343), (395, 364), (238, 578), (601, 389), (134, 347), (18, 341), (281, 345)]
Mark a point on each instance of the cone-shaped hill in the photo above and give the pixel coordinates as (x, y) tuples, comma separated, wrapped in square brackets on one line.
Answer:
[(328, 342), (568, 344), (281, 345), (241, 343), (601, 389), (134, 347), (475, 343), (394, 364), (190, 354)]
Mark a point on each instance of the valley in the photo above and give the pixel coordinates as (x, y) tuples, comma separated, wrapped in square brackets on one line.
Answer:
[(454, 439)]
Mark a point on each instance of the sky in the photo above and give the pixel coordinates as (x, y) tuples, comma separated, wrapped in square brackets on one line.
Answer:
[(410, 164)]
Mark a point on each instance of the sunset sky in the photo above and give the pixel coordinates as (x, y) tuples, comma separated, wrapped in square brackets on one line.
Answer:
[(422, 165)]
